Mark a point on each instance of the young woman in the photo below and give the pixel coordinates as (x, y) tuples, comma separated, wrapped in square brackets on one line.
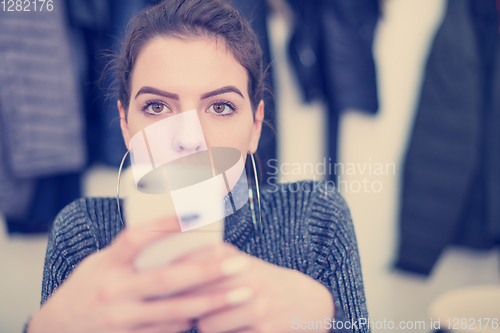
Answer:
[(301, 271)]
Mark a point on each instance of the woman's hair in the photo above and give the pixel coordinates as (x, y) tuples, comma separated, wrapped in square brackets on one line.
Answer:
[(188, 19)]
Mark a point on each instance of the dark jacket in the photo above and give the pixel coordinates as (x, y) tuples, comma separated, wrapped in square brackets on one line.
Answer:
[(451, 180), (331, 51)]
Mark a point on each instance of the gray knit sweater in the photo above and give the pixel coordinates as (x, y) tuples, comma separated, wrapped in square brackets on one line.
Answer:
[(306, 226)]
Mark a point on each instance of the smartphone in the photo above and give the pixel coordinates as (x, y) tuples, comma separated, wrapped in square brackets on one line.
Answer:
[(190, 192)]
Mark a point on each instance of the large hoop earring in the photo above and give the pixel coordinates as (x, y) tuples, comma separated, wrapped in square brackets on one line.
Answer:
[(118, 187), (257, 226)]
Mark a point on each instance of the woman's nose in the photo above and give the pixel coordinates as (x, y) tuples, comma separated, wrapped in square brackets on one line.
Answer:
[(186, 144), (189, 138)]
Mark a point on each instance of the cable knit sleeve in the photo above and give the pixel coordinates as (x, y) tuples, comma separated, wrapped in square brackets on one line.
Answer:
[(80, 229), (70, 240), (334, 258)]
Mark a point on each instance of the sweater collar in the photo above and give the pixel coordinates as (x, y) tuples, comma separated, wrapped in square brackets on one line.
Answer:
[(238, 226)]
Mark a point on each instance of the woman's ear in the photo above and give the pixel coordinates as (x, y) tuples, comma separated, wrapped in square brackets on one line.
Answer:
[(256, 128), (124, 125)]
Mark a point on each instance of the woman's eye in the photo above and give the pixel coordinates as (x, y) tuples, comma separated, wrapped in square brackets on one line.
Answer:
[(156, 108), (222, 109)]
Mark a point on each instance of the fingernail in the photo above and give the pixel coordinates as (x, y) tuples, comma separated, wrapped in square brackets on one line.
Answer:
[(234, 265), (239, 295)]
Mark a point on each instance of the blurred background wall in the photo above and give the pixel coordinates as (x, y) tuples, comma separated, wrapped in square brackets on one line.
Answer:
[(369, 142)]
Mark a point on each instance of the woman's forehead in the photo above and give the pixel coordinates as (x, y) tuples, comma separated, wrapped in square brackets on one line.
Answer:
[(187, 65)]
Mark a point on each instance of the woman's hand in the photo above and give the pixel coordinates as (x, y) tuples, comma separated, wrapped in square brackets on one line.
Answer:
[(280, 295), (105, 293)]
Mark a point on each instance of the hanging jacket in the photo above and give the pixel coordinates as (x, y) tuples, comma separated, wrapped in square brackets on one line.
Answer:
[(41, 125), (451, 178), (331, 52)]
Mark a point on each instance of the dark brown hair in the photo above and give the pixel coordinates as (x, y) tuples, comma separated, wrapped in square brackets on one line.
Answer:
[(188, 19)]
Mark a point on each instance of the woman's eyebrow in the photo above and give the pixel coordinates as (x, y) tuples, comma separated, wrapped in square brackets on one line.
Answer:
[(154, 91), (222, 90)]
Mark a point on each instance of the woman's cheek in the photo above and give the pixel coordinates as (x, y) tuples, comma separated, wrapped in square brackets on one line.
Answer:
[(137, 122)]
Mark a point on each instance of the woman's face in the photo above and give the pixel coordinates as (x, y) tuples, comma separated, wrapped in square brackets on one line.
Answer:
[(172, 76)]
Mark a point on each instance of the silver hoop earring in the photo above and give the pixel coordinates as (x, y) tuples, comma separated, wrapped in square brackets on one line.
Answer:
[(257, 226), (118, 187)]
